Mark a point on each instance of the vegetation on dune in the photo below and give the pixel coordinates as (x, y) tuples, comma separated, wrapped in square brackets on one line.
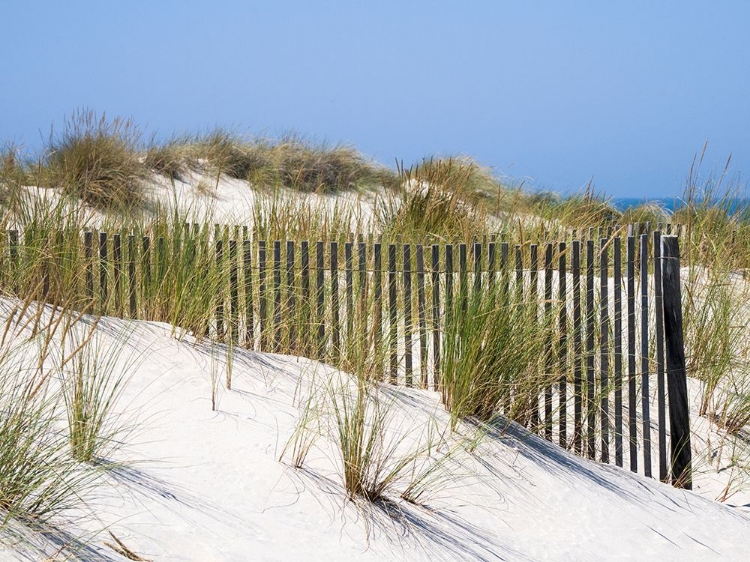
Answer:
[(97, 160), (493, 343), (493, 348), (439, 198), (582, 210), (39, 477), (290, 162)]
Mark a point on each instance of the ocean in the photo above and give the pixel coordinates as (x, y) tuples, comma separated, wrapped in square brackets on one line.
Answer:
[(671, 204)]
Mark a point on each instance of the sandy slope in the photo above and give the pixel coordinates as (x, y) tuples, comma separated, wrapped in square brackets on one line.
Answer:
[(202, 485)]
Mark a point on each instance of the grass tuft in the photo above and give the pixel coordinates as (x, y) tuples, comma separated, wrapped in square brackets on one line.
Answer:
[(97, 160)]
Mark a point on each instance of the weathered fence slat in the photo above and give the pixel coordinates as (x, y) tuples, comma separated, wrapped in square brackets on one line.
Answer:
[(378, 294), (103, 272), (604, 346), (422, 317), (133, 307), (277, 296), (88, 253), (320, 298), (247, 270), (577, 350), (477, 255), (590, 322), (679, 416), (436, 315), (549, 359), (408, 320), (645, 393), (617, 280), (220, 294), (234, 298), (534, 298), (463, 278), (335, 314), (448, 283), (349, 298), (307, 320), (562, 292), (291, 296), (632, 420), (262, 297), (392, 314), (660, 387), (146, 269), (117, 266)]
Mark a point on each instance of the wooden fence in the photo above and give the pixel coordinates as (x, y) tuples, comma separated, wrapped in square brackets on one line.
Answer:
[(322, 299)]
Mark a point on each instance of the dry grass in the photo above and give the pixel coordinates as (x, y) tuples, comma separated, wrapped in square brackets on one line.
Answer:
[(97, 160)]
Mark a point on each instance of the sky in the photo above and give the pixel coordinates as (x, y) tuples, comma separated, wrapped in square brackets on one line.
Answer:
[(553, 94)]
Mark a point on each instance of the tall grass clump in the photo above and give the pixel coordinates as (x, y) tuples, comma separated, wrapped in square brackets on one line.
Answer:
[(290, 161), (97, 160), (39, 478), (278, 215), (581, 210), (320, 168), (492, 352), (716, 242), (173, 158), (13, 172), (437, 198), (648, 212), (382, 457), (94, 369)]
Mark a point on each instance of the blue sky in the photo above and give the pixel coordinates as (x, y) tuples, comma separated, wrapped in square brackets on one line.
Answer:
[(553, 92)]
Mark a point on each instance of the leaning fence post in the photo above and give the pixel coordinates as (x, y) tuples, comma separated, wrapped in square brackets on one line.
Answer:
[(679, 417)]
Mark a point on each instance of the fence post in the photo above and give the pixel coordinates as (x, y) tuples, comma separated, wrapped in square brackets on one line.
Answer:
[(262, 302), (277, 296), (220, 296), (117, 263), (335, 353), (563, 353), (604, 344), (617, 275), (131, 276), (234, 298), (392, 314), (590, 321), (645, 392), (103, 271), (247, 252), (421, 316), (679, 417), (577, 349), (408, 318), (88, 249), (534, 298), (661, 404), (436, 316), (320, 298), (632, 428), (548, 254), (291, 302)]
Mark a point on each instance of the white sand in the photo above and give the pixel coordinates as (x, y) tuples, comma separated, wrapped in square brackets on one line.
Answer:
[(208, 486)]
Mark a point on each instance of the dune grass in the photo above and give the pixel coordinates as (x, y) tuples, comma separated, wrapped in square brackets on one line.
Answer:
[(491, 355), (39, 478), (94, 370), (491, 348), (290, 161), (437, 198), (97, 160)]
